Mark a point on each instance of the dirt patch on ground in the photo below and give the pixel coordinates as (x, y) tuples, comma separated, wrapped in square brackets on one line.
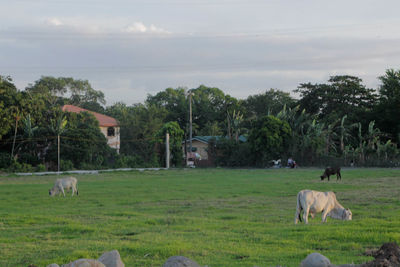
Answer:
[(387, 256)]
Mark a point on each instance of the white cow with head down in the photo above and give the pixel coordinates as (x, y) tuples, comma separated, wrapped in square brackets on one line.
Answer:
[(64, 183), (313, 202)]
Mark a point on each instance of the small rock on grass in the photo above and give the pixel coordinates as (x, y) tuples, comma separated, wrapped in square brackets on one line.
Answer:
[(180, 261), (84, 263), (111, 259), (315, 260)]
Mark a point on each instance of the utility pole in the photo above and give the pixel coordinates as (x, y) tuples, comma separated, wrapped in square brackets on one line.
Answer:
[(190, 121), (58, 153), (167, 150)]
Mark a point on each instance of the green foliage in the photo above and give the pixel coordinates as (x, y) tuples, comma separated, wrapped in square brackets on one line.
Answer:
[(80, 92), (342, 95), (174, 102), (66, 165), (387, 112), (5, 160), (9, 105), (330, 120), (82, 142), (230, 153), (139, 124), (127, 161), (269, 139), (270, 102), (41, 168), (16, 166)]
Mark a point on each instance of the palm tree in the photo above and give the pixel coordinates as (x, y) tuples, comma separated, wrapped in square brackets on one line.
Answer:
[(29, 133), (58, 127)]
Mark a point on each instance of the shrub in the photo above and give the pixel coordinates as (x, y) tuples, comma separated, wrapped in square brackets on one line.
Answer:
[(5, 160), (231, 153), (20, 167), (41, 168), (66, 165), (125, 161), (28, 158)]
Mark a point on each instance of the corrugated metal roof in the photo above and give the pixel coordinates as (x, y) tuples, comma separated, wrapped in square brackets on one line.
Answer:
[(207, 138), (104, 120)]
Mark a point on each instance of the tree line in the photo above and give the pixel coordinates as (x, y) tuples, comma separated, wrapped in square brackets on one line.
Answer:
[(339, 122)]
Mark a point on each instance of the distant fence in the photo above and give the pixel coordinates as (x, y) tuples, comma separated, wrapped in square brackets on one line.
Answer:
[(89, 171)]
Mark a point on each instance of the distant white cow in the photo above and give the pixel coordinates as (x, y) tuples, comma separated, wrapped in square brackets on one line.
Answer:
[(64, 183), (313, 202)]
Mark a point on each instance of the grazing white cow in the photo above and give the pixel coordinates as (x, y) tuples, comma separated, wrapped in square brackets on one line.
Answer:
[(313, 202), (64, 183)]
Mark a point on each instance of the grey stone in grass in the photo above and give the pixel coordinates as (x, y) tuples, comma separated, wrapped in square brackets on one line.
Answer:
[(53, 265), (315, 260), (84, 263), (180, 261), (111, 259)]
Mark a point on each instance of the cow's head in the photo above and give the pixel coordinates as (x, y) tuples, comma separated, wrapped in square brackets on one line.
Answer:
[(52, 192), (323, 177), (347, 215)]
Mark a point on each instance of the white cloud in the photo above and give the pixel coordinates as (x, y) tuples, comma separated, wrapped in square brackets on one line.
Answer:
[(54, 22), (139, 27)]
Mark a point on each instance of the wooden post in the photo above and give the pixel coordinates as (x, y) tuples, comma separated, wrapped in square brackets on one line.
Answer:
[(167, 150), (190, 122), (58, 139)]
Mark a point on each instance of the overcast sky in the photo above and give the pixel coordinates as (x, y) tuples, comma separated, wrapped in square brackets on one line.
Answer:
[(129, 49)]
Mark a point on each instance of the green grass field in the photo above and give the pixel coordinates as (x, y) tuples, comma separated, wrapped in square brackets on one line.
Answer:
[(217, 217)]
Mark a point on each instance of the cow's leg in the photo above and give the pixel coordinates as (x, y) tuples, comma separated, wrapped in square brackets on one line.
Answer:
[(339, 176), (324, 216), (62, 190), (305, 215), (328, 177), (73, 190), (297, 215)]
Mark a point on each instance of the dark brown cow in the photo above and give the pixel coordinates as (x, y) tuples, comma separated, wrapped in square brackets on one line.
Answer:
[(331, 171)]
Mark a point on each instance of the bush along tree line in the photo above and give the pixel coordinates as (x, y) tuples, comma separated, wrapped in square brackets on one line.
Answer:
[(338, 122)]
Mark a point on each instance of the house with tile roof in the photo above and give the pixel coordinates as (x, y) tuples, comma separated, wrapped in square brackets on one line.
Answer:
[(108, 125)]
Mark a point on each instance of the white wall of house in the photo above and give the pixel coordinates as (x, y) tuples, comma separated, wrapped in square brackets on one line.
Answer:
[(112, 140)]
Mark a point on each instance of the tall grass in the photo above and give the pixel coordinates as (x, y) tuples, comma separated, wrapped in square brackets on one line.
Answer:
[(217, 217)]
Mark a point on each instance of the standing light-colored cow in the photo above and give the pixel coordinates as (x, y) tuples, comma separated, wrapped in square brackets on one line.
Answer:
[(313, 202), (64, 183)]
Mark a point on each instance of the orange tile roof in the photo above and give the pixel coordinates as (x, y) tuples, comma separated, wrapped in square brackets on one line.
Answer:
[(104, 120)]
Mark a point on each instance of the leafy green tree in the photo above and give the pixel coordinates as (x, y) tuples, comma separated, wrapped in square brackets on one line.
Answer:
[(209, 106), (27, 150), (270, 102), (269, 138), (175, 142), (343, 95), (139, 123), (83, 143), (66, 90), (9, 105), (387, 112), (174, 102)]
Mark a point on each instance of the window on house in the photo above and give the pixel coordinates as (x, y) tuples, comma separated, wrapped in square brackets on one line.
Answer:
[(110, 131)]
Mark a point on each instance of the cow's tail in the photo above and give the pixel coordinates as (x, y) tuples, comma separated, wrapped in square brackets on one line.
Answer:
[(298, 210)]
